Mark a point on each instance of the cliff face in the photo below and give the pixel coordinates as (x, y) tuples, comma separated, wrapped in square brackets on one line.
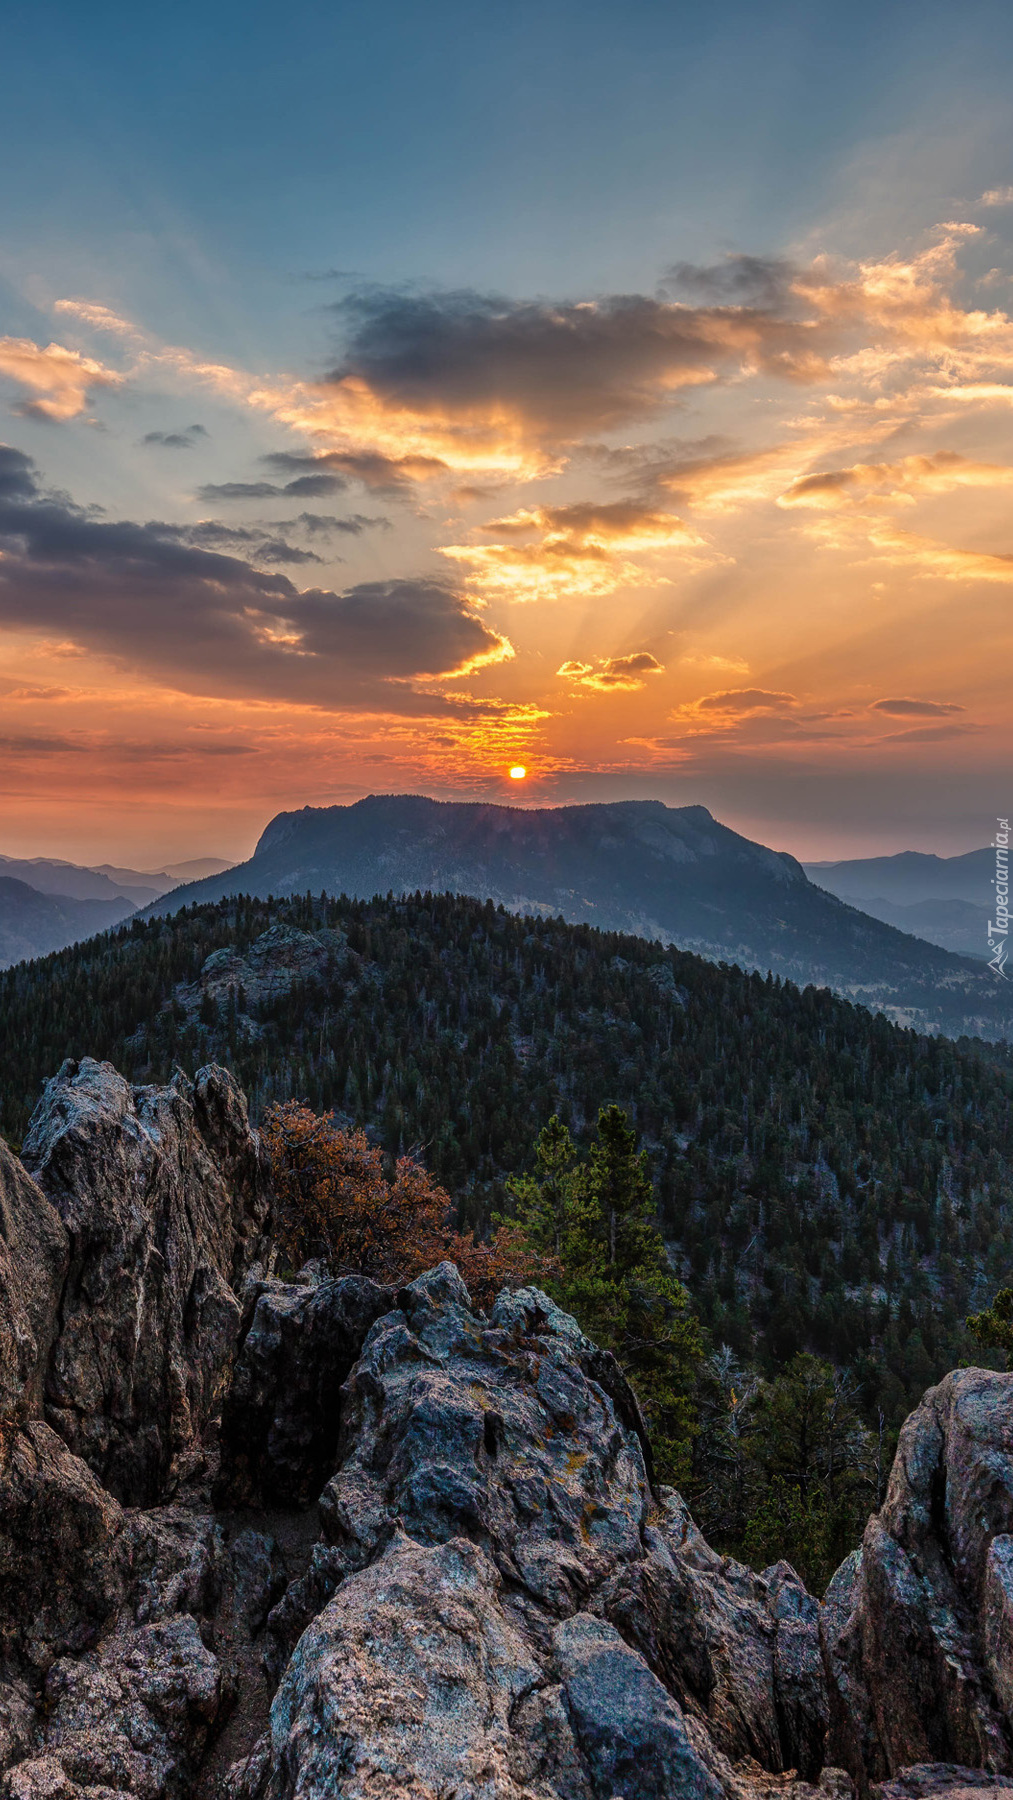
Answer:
[(269, 1540), (162, 1195)]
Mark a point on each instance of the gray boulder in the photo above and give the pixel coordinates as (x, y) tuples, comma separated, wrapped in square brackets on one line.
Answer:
[(163, 1194), (632, 1733)]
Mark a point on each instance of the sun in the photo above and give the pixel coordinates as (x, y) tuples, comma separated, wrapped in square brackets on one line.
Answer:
[(518, 772)]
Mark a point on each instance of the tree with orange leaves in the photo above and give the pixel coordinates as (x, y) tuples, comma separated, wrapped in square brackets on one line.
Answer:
[(335, 1202)]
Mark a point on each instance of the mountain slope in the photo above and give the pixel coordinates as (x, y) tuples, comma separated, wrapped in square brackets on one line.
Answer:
[(670, 873), (34, 924), (954, 925)]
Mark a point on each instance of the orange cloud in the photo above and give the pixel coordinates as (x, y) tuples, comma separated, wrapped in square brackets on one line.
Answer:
[(901, 482), (917, 709), (60, 379), (744, 700), (613, 673), (582, 550)]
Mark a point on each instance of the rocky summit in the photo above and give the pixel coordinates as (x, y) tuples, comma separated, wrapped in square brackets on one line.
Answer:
[(267, 1539)]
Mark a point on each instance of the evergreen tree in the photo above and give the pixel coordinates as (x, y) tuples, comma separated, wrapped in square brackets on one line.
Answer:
[(616, 1278), (993, 1328)]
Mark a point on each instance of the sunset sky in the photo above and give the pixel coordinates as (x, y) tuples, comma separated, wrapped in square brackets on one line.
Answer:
[(393, 395)]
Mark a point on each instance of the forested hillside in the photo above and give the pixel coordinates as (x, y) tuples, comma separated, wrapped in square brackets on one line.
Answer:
[(826, 1180)]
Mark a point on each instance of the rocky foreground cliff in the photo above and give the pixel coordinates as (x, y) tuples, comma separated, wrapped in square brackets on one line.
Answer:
[(288, 1540)]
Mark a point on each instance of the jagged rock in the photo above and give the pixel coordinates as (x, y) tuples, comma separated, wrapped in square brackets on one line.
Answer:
[(17, 1719), (405, 1684), (164, 1195), (255, 1577), (477, 1458), (916, 1629), (61, 1551), (277, 958), (500, 1605), (456, 1426), (299, 1605), (133, 1717), (740, 1651), (33, 1260), (280, 1422)]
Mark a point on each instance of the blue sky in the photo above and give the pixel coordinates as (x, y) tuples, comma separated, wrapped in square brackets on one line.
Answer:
[(213, 154), (197, 190)]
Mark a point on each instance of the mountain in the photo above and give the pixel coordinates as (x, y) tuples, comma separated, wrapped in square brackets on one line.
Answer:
[(669, 873), (909, 877), (952, 924), (48, 875), (34, 924), (197, 867), (105, 881), (945, 899)]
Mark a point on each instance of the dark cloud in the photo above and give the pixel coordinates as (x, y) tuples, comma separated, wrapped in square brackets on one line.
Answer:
[(176, 440), (239, 490), (325, 524), (276, 550), (916, 709), (211, 623), (212, 534), (384, 474), (40, 746), (264, 541), (121, 750), (305, 487), (314, 487), (565, 369), (738, 280), (18, 480), (929, 734)]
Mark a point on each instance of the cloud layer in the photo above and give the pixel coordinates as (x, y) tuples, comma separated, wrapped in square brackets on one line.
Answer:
[(210, 622)]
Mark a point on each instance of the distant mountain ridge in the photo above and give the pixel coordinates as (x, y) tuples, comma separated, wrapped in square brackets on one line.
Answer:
[(34, 924), (909, 876), (46, 904), (670, 873), (105, 881), (945, 899)]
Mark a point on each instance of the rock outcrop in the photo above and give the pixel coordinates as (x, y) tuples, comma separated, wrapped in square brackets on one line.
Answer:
[(118, 1325), (268, 1540), (499, 1598), (917, 1625), (163, 1195)]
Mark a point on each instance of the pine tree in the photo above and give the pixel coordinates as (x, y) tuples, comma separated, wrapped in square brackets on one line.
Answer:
[(616, 1278)]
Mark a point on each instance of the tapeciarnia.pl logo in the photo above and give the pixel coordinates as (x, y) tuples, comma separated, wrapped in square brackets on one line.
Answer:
[(998, 928)]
